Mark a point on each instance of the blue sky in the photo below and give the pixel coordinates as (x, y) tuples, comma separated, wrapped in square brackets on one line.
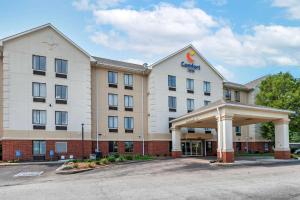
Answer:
[(242, 39)]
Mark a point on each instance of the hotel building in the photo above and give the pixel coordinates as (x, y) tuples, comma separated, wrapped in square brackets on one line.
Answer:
[(52, 89)]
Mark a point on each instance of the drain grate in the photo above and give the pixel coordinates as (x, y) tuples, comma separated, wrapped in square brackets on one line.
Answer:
[(28, 174)]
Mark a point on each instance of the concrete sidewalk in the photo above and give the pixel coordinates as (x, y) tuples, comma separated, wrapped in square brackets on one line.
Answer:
[(261, 161), (33, 163)]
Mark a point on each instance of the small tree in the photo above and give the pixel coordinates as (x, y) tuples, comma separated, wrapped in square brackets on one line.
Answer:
[(281, 91)]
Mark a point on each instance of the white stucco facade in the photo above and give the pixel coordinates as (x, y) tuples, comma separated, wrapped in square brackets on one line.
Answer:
[(18, 78)]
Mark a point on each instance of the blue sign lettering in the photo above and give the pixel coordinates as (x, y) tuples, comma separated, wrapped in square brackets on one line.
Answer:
[(191, 67)]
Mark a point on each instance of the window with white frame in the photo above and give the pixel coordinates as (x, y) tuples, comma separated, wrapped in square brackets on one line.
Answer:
[(128, 101), (61, 118), (112, 100), (237, 97), (206, 102), (172, 102), (61, 66), (61, 147), (39, 117), (128, 147), (112, 122), (39, 90), (190, 84), (238, 131), (61, 92), (227, 94), (190, 105), (112, 77), (128, 123), (39, 63), (206, 87), (128, 80), (171, 81)]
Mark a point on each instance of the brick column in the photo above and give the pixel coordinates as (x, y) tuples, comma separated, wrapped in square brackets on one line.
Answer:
[(282, 146), (176, 143)]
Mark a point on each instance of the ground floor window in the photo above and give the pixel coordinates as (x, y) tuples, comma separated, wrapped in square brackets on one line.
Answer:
[(238, 146), (170, 146), (266, 147), (128, 147), (113, 147), (39, 148), (209, 146), (61, 147)]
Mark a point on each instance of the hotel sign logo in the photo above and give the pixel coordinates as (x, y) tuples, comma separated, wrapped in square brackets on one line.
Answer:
[(191, 67)]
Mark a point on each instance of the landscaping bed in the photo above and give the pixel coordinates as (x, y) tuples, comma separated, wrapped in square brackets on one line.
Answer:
[(76, 166)]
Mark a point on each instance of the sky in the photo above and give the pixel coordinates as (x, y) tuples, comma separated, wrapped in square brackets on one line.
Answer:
[(243, 39)]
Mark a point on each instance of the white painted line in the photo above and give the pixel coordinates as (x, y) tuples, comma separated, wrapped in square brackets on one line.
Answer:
[(29, 174)]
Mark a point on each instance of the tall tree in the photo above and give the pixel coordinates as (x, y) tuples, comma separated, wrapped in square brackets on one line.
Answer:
[(281, 91)]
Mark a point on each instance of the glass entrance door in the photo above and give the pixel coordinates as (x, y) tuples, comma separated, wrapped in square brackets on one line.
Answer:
[(192, 148)]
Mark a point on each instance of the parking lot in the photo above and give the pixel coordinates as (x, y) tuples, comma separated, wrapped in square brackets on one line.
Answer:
[(186, 178)]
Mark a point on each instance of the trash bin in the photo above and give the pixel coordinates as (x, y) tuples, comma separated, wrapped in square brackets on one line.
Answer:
[(98, 154)]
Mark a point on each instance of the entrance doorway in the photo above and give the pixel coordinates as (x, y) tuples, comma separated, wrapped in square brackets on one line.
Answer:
[(192, 148), (39, 150)]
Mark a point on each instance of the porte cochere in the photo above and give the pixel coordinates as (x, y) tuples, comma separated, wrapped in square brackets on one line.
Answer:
[(223, 116)]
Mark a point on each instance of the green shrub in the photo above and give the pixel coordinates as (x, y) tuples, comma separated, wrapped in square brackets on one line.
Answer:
[(76, 165), (129, 157), (104, 161), (120, 159), (116, 155), (98, 162), (111, 158), (68, 167)]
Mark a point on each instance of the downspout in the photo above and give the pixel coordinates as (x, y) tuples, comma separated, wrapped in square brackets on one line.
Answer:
[(143, 138), (221, 141), (97, 112)]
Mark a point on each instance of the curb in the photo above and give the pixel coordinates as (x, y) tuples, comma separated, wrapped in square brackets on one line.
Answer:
[(253, 163), (33, 163), (66, 172)]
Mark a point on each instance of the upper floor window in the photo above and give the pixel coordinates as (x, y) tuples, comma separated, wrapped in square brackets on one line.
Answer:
[(61, 118), (61, 68), (237, 97), (172, 82), (113, 101), (190, 85), (238, 131), (190, 105), (128, 124), (112, 79), (227, 94), (39, 119), (39, 64), (113, 123), (128, 81), (206, 102), (61, 94), (206, 88), (128, 103), (39, 92), (172, 104)]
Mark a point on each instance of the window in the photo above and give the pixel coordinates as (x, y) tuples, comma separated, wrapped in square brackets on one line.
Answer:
[(128, 81), (61, 68), (39, 117), (206, 88), (190, 105), (128, 147), (39, 148), (61, 118), (227, 94), (237, 96), (172, 82), (238, 131), (113, 147), (113, 123), (128, 103), (61, 94), (39, 92), (206, 102), (113, 101), (266, 147), (207, 130), (209, 146), (191, 130), (112, 79), (128, 124), (39, 63), (172, 104), (238, 146), (61, 147), (190, 85)]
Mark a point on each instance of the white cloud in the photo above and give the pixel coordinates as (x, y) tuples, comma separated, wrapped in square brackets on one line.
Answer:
[(292, 7), (154, 33), (84, 5), (225, 72)]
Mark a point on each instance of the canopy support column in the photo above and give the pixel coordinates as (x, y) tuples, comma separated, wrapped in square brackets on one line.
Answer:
[(176, 143), (282, 148)]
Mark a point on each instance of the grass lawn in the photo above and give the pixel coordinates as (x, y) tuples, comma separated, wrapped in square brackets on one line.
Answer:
[(254, 154)]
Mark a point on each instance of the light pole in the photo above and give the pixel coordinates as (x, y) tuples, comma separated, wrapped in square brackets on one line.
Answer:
[(82, 141)]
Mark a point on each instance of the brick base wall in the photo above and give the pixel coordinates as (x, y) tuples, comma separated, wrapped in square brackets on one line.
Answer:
[(253, 147), (9, 148)]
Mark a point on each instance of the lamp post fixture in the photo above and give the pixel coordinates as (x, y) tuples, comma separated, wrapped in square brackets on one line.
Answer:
[(82, 141)]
